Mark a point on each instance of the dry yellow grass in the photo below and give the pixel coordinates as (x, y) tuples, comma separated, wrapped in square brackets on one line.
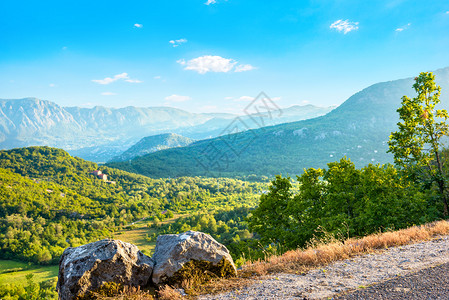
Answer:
[(322, 253), (168, 293)]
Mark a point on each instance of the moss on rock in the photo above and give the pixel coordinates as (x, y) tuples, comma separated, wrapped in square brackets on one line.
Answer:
[(201, 271)]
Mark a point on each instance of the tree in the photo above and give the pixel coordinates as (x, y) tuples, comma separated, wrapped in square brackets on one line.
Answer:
[(418, 143), (270, 218)]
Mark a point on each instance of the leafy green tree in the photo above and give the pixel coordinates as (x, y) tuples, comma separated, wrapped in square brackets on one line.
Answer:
[(340, 201), (270, 219), (418, 142)]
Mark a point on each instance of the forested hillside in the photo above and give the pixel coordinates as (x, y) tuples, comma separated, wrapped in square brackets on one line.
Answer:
[(152, 144), (359, 129), (50, 201)]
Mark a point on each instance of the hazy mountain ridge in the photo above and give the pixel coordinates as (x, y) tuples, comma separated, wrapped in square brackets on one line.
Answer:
[(152, 144), (100, 133), (358, 129)]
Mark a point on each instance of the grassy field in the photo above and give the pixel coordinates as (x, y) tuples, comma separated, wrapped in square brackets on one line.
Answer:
[(15, 272), (137, 235)]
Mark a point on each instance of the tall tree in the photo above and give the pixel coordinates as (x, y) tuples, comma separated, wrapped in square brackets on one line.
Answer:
[(418, 143)]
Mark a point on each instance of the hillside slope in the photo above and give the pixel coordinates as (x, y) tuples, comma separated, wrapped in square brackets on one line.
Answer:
[(50, 200), (358, 129), (152, 144)]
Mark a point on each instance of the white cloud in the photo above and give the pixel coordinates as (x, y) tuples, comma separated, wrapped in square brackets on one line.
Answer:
[(209, 2), (177, 43), (108, 94), (305, 102), (403, 27), (177, 98), (243, 68), (52, 85), (137, 25), (211, 63), (133, 80), (109, 80), (344, 26), (447, 12), (157, 77), (64, 48)]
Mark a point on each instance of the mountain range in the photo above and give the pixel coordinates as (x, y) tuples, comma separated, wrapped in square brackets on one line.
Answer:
[(358, 129), (100, 133)]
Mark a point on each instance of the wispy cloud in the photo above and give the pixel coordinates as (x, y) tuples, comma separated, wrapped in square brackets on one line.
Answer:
[(109, 80), (402, 28), (243, 68), (52, 85), (157, 77), (177, 98), (137, 25), (344, 26), (108, 94), (213, 63), (176, 43), (209, 2), (133, 80)]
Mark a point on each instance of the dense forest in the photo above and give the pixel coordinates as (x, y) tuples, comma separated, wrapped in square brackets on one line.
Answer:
[(50, 201)]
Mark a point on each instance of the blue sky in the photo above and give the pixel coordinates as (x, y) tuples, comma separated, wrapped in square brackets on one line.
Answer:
[(206, 55)]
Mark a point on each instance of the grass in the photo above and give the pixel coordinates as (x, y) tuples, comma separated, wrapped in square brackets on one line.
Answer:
[(15, 272)]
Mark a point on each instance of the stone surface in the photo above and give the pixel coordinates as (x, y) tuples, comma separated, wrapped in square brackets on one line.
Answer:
[(173, 251), (86, 268)]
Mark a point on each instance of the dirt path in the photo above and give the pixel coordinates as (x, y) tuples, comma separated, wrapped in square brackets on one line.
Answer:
[(351, 274)]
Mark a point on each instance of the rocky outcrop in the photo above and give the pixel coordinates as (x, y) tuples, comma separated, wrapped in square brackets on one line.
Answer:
[(96, 267), (88, 267), (178, 255)]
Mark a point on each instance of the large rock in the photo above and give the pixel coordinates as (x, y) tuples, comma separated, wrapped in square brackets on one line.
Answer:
[(88, 267), (190, 255)]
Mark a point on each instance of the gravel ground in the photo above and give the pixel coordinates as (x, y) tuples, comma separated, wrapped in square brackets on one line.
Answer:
[(430, 283), (351, 274)]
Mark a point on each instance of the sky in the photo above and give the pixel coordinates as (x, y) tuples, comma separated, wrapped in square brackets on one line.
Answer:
[(214, 55)]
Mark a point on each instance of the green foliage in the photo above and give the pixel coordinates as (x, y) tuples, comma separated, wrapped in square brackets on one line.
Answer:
[(269, 219), (418, 142), (227, 225), (30, 291), (50, 201), (341, 200)]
